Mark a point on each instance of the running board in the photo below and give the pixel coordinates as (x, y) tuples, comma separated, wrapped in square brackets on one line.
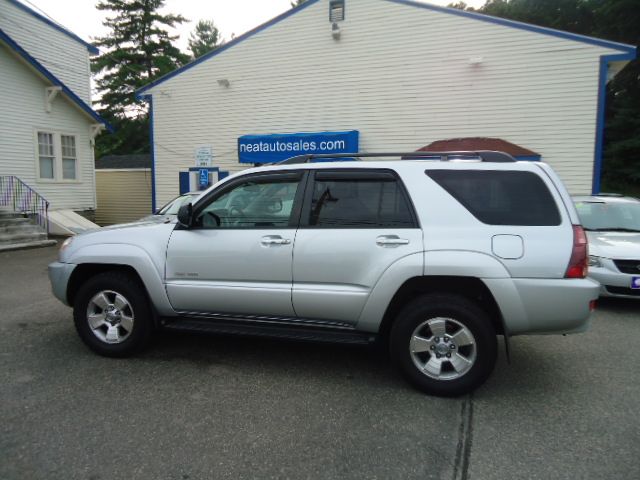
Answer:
[(323, 334)]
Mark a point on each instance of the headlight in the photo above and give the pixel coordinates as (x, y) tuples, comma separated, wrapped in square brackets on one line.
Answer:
[(594, 261), (65, 244)]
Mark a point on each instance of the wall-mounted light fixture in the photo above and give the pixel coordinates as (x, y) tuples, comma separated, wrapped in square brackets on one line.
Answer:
[(223, 82), (335, 31)]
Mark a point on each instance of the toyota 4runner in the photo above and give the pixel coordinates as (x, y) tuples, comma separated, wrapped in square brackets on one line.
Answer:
[(434, 254)]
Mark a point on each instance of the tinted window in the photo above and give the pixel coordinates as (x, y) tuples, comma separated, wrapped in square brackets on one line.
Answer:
[(255, 203), (365, 201), (500, 198)]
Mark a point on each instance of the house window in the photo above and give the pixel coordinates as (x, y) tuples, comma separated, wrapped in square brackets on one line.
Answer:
[(46, 155), (69, 158)]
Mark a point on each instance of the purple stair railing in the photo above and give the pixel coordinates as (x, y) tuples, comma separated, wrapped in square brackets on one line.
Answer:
[(23, 199)]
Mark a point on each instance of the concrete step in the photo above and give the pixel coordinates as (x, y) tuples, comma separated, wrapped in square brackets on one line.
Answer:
[(9, 213), (4, 222), (20, 237), (16, 229), (19, 228), (25, 245)]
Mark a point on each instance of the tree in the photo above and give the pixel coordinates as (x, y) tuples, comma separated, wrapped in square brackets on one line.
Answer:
[(460, 6), (619, 20), (137, 50), (615, 20), (204, 38)]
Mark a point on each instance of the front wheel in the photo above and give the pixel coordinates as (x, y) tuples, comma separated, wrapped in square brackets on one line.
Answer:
[(112, 315), (444, 344)]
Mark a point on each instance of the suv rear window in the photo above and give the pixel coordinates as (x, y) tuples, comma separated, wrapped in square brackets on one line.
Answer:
[(497, 197)]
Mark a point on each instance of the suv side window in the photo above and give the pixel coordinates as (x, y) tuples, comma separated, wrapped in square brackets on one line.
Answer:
[(366, 199), (257, 202), (497, 197)]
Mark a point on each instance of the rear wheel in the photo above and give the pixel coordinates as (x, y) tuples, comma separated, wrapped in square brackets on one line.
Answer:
[(112, 314), (444, 344)]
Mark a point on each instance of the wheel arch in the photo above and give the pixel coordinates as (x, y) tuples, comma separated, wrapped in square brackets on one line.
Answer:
[(85, 271), (472, 288), (131, 259)]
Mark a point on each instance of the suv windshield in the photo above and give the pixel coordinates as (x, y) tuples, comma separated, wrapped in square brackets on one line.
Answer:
[(609, 216)]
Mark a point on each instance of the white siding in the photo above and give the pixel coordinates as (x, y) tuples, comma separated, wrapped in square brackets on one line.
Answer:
[(399, 74), (63, 56), (22, 109)]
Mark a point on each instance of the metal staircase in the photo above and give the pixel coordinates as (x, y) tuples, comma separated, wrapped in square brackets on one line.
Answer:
[(24, 212)]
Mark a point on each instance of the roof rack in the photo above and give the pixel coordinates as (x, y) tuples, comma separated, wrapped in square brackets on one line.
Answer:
[(483, 155)]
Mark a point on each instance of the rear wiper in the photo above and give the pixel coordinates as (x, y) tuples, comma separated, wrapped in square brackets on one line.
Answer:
[(612, 229)]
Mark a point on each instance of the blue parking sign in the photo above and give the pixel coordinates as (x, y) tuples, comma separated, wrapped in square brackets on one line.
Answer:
[(204, 178)]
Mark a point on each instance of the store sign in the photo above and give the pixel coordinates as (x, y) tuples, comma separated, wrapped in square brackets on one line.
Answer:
[(277, 147), (204, 156)]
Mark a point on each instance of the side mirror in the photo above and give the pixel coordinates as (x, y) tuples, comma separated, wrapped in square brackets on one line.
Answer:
[(185, 215)]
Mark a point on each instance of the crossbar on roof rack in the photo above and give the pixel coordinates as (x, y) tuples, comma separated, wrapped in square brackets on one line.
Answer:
[(483, 155)]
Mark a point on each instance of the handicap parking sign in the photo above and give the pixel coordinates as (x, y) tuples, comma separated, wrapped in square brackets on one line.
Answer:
[(635, 282), (204, 177)]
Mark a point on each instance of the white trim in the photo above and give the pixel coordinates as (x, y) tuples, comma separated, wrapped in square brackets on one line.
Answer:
[(94, 130), (50, 94)]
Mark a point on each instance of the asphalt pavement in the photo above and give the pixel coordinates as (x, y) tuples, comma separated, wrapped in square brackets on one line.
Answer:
[(194, 407)]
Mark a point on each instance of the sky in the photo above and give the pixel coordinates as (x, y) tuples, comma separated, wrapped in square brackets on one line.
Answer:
[(230, 16)]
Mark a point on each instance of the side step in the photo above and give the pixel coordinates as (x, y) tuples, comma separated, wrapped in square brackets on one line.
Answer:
[(262, 329)]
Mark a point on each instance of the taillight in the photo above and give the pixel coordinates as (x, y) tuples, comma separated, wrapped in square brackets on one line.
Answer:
[(579, 262)]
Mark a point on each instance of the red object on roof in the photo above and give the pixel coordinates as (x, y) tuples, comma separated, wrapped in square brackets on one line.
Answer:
[(478, 143)]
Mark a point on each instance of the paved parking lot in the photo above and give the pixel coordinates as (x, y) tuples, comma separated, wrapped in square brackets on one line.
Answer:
[(212, 407)]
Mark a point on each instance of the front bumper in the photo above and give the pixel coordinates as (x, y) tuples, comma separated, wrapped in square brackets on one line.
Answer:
[(59, 274), (613, 283)]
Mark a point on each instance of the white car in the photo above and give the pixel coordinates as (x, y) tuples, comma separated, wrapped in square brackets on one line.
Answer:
[(612, 223)]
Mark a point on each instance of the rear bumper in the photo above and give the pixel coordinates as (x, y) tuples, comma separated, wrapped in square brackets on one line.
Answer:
[(59, 274), (544, 306)]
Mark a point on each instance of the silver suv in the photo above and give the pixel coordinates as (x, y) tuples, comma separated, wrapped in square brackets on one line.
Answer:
[(434, 254)]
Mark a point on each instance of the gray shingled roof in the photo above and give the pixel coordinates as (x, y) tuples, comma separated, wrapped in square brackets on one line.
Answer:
[(142, 160)]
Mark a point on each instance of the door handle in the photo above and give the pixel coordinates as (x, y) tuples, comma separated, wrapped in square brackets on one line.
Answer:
[(391, 241), (274, 240)]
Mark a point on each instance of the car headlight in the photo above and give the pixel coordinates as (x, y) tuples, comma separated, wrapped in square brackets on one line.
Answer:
[(66, 243), (594, 261)]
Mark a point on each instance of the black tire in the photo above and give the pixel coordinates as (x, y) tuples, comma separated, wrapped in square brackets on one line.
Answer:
[(131, 289), (448, 306)]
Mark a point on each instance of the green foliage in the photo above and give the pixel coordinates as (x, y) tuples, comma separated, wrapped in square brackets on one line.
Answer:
[(137, 50), (460, 6), (204, 38), (616, 20)]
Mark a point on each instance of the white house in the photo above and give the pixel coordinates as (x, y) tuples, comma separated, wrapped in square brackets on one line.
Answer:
[(384, 75), (47, 126)]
